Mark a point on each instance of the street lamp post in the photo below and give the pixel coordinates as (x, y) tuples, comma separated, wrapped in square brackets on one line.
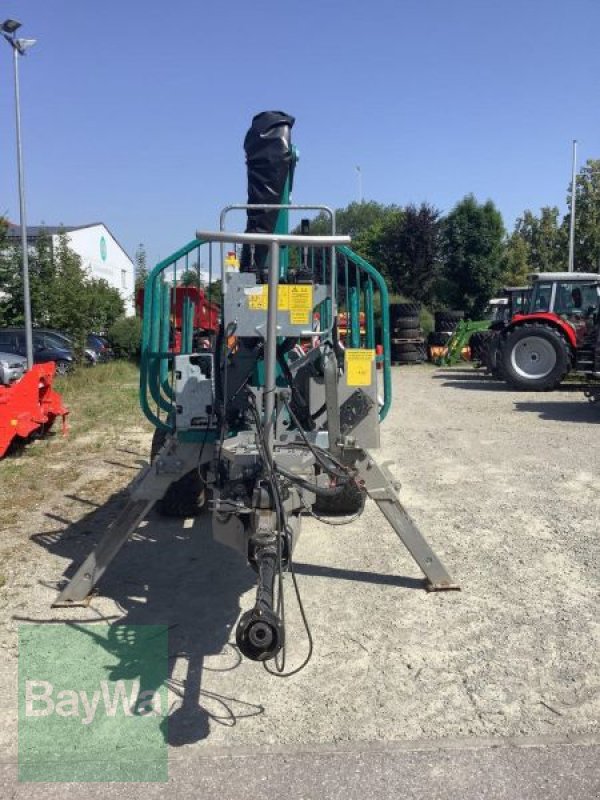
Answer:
[(573, 194), (360, 191), (20, 47)]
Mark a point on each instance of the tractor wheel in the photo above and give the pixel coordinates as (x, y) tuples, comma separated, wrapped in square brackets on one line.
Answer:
[(348, 501), (184, 498), (490, 349), (478, 343), (535, 358)]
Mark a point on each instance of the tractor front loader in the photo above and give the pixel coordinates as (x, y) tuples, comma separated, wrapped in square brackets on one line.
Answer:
[(274, 418)]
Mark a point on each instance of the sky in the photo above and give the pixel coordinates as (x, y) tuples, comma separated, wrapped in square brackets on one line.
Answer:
[(134, 113)]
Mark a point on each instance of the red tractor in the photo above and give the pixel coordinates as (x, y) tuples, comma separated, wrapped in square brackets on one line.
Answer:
[(555, 334)]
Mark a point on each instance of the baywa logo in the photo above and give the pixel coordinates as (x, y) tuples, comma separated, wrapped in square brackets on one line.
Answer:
[(93, 702), (42, 701)]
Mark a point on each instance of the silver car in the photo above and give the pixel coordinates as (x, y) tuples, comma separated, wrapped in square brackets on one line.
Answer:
[(12, 367)]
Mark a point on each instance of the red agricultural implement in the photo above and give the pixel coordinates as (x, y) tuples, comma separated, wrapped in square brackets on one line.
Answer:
[(192, 315), (30, 406)]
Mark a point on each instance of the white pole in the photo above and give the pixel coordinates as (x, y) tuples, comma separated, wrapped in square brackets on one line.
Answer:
[(573, 195)]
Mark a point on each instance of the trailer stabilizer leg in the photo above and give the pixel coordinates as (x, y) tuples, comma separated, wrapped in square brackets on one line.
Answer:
[(380, 488), (174, 460)]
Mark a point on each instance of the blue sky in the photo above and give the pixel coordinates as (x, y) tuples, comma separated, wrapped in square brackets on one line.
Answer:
[(134, 112)]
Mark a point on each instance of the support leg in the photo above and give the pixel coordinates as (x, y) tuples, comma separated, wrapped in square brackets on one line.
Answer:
[(173, 461), (380, 488)]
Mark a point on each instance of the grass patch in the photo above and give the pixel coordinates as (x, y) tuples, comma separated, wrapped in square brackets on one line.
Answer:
[(104, 408)]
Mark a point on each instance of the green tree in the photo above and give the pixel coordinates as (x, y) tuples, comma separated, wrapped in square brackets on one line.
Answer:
[(515, 261), (353, 220), (190, 276), (545, 239), (587, 218), (473, 236), (406, 247), (140, 267), (105, 305), (125, 336)]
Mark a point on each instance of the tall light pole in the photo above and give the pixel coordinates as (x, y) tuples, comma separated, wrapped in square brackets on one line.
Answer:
[(573, 194), (360, 191), (20, 46)]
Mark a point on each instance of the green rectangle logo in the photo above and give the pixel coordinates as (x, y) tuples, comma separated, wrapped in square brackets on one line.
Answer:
[(93, 702)]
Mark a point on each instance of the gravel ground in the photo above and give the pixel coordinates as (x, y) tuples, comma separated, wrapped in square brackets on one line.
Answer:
[(504, 487)]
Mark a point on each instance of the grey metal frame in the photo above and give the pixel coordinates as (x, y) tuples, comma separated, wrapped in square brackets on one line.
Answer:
[(177, 458), (274, 242)]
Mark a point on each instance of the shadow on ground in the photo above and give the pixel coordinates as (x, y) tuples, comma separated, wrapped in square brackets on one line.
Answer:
[(171, 572), (174, 575), (562, 410)]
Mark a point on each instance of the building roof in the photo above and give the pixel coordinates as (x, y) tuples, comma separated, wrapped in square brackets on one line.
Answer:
[(33, 231), (565, 276)]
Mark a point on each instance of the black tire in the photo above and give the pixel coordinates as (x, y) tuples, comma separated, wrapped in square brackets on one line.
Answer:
[(184, 498), (401, 323), (437, 339), (449, 314), (535, 358), (446, 326), (477, 344), (402, 310), (404, 347), (62, 367), (447, 321), (349, 501), (407, 333), (491, 350), (407, 358)]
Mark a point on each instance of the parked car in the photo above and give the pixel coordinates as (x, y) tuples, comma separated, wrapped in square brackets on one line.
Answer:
[(101, 347), (64, 340), (46, 347), (12, 368)]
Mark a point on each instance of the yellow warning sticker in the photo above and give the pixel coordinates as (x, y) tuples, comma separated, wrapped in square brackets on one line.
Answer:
[(299, 317), (301, 297), (258, 298), (283, 298), (359, 367), (300, 300)]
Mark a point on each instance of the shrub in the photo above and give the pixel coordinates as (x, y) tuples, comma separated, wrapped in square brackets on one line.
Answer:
[(125, 336)]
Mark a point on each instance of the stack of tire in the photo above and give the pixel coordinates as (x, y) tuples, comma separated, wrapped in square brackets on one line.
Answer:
[(446, 322), (408, 343)]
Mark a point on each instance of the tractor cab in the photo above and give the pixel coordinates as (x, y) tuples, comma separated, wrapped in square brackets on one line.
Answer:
[(571, 295), (501, 310)]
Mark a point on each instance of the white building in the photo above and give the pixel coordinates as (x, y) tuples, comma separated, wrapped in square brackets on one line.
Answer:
[(101, 254)]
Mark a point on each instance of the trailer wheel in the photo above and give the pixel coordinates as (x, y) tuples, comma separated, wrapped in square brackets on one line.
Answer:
[(535, 358), (184, 498), (349, 501)]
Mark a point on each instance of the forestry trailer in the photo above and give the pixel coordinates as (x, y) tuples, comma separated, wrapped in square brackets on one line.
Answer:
[(248, 433)]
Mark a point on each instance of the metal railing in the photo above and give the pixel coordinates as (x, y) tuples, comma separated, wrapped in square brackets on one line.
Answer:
[(357, 293)]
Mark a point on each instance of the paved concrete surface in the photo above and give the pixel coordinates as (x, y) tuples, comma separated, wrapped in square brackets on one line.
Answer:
[(504, 486), (510, 770)]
